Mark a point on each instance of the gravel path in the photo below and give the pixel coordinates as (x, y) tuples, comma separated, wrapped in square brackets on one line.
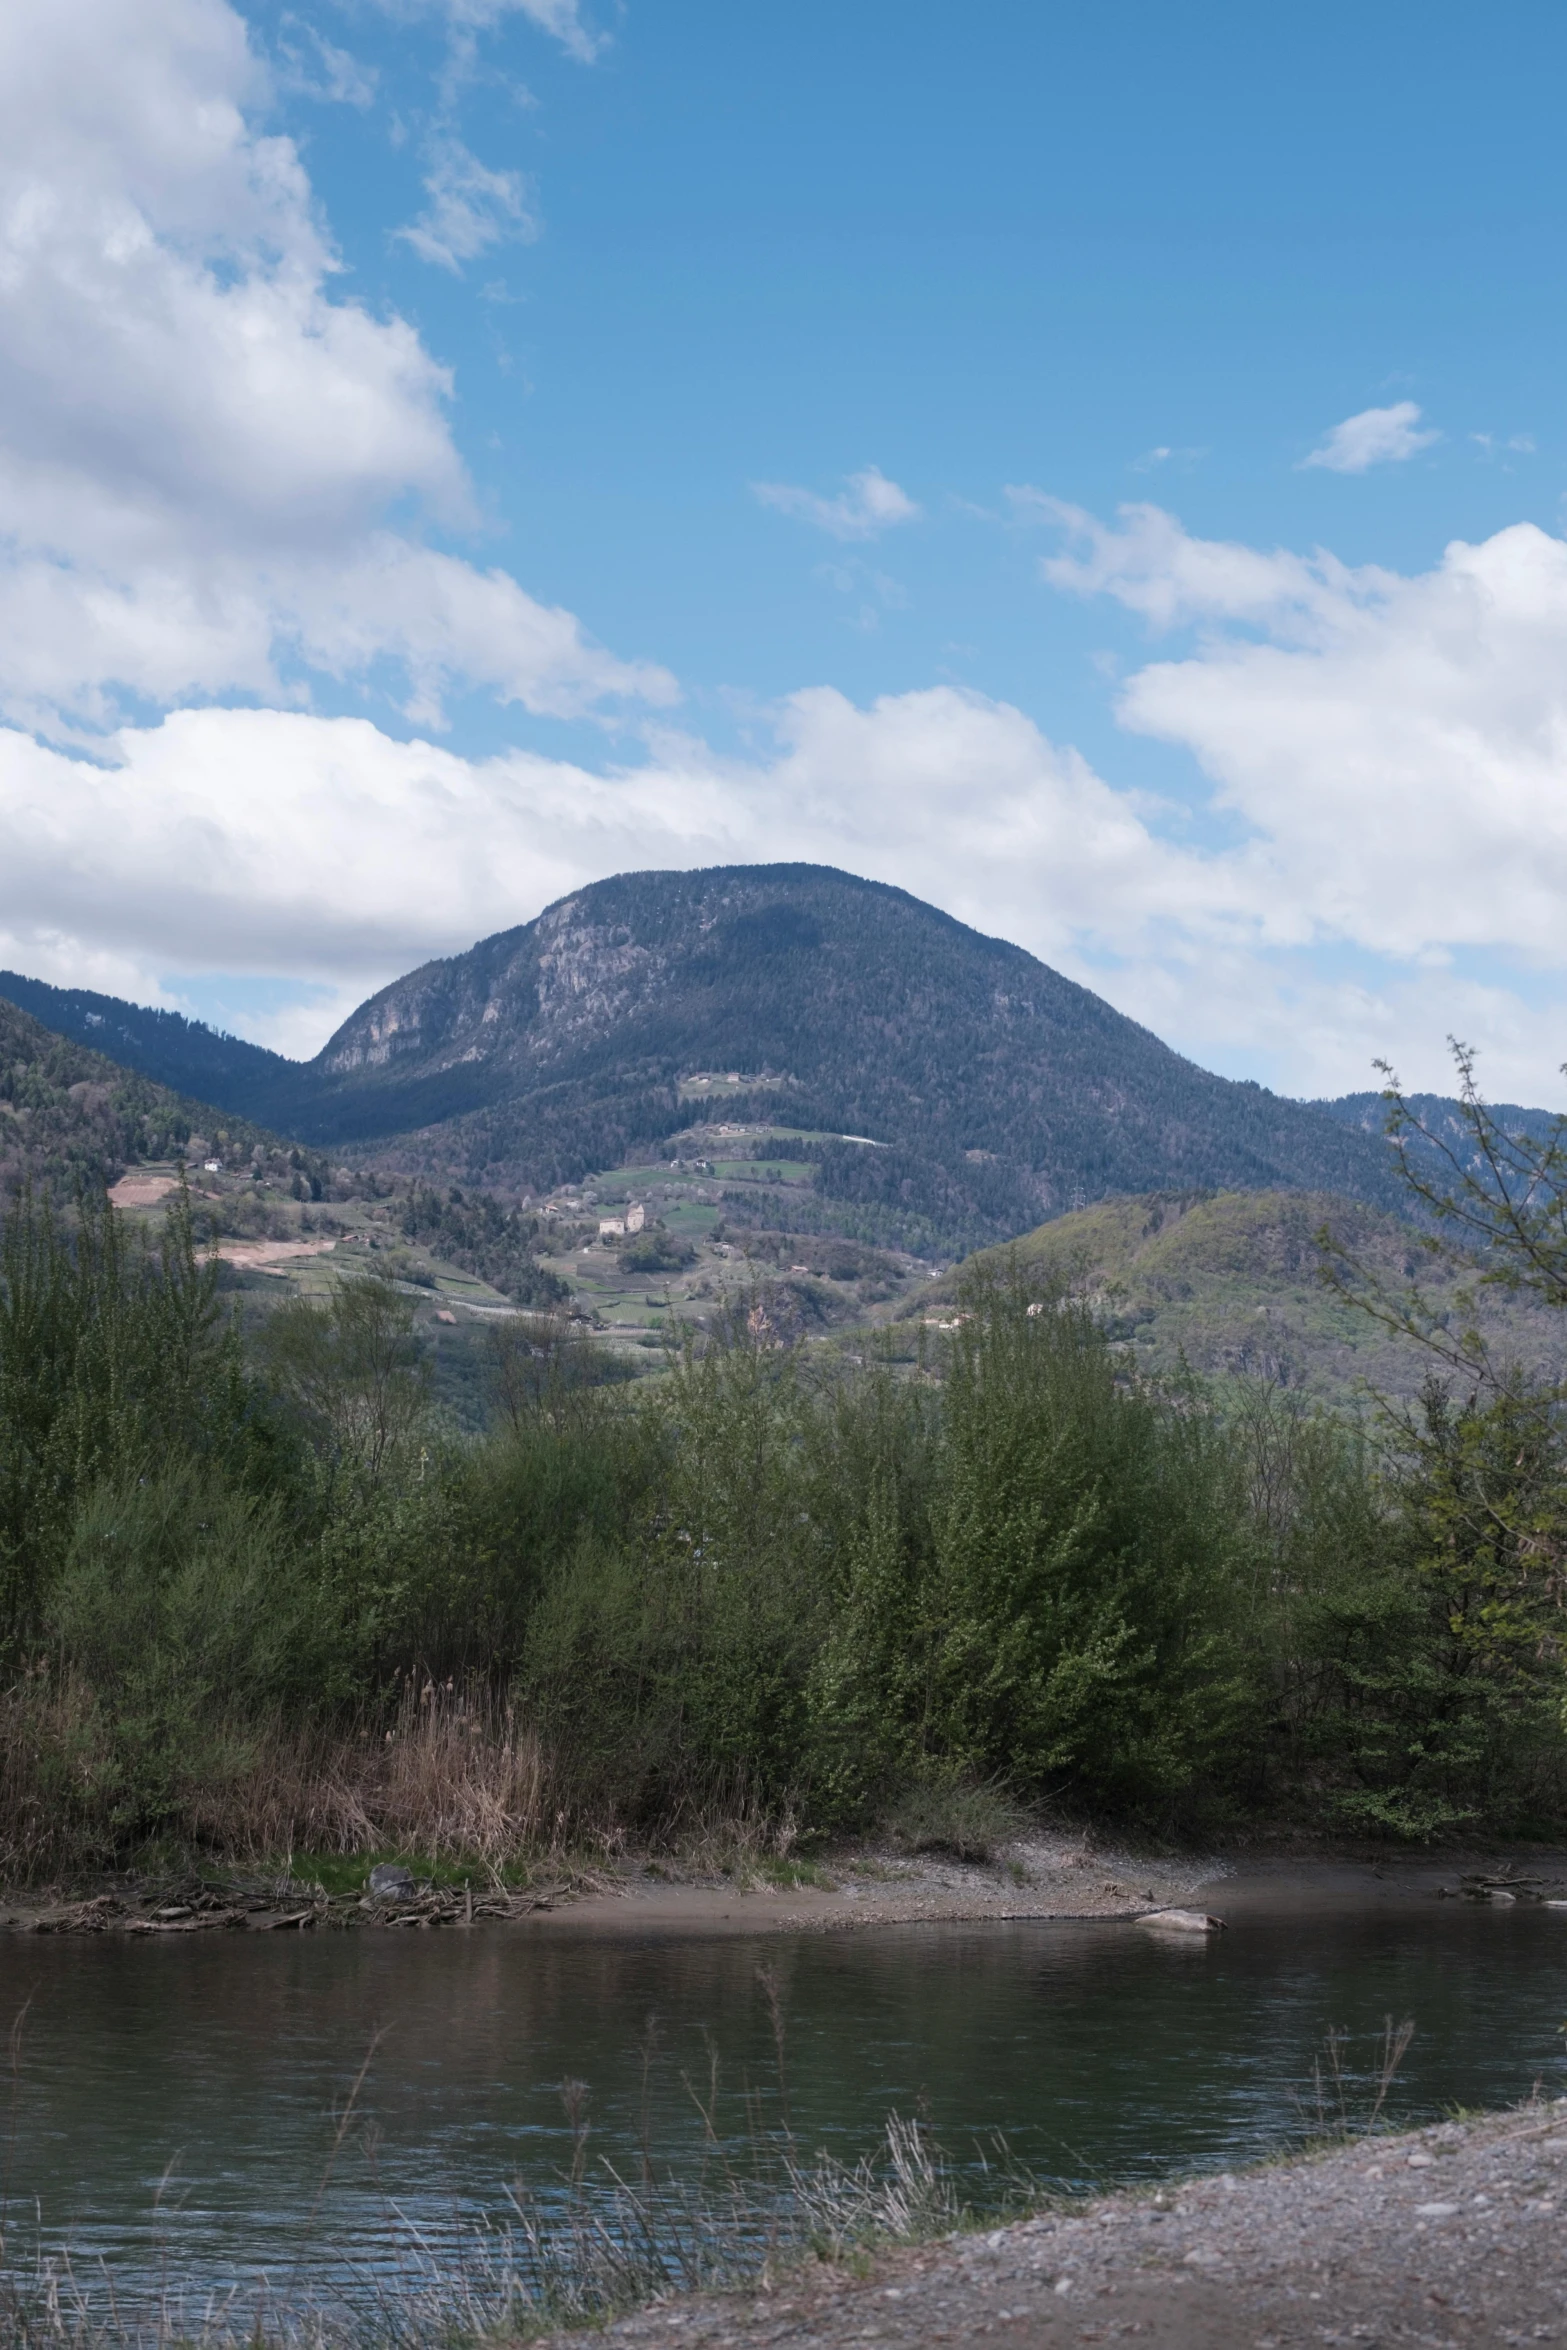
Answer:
[(1451, 2236)]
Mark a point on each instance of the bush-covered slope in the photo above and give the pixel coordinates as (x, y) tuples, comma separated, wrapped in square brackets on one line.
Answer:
[(1228, 1283)]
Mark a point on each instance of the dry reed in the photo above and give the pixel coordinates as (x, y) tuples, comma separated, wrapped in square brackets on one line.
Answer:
[(453, 1777)]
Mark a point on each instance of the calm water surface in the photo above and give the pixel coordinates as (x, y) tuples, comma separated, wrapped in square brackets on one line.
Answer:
[(181, 2093)]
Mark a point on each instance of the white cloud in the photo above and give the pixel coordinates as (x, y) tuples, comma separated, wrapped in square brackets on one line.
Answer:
[(471, 208), (1377, 436), (1148, 563), (310, 66), (200, 438), (338, 855), (1395, 748), (868, 504), (561, 19)]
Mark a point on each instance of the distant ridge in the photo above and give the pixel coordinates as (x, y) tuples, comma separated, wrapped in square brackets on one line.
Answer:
[(185, 1055), (1442, 1120), (1228, 1284), (1002, 1093), (71, 1115)]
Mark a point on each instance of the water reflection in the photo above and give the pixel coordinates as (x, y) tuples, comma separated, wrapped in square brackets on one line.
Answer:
[(1097, 2052)]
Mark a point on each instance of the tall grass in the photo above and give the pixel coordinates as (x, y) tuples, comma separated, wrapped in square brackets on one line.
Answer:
[(600, 2246), (452, 1777)]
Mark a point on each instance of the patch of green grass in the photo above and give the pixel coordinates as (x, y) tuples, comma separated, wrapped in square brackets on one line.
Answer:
[(349, 1872), (792, 1872)]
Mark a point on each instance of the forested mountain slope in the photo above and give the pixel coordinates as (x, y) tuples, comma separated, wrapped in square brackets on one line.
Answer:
[(67, 1113), (185, 1055), (999, 1092), (1441, 1117)]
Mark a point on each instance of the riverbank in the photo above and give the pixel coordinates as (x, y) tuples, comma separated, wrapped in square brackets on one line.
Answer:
[(1444, 2237), (1040, 1875)]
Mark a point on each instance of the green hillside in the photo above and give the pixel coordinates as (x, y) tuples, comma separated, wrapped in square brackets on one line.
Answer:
[(1228, 1282), (69, 1114)]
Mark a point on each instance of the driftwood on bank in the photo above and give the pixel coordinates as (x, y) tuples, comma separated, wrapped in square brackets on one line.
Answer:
[(280, 1907), (1506, 1885)]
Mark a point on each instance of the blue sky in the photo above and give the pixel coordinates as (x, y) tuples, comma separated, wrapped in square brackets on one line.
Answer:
[(1099, 468)]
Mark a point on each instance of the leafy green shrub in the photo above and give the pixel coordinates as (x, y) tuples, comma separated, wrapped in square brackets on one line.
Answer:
[(114, 1363), (1450, 1652), (655, 1250)]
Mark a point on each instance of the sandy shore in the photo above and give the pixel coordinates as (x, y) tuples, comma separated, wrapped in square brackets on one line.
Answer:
[(872, 1885), (1060, 1876), (1449, 2236), (1043, 1876)]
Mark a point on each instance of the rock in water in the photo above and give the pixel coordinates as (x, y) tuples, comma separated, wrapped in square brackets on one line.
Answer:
[(390, 1881), (1182, 1921)]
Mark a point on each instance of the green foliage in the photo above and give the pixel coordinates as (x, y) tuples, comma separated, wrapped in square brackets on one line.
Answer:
[(353, 1369), (1230, 1285), (1455, 1674), (478, 1233), (114, 1361), (655, 1250), (1451, 1649), (178, 1590), (970, 1819), (772, 1583), (672, 1658), (70, 1119), (1057, 1608), (1084, 1561), (1408, 1602)]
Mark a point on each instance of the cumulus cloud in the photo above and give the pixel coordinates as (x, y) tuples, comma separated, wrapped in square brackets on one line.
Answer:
[(1395, 749), (1377, 436), (200, 437), (1333, 931), (1149, 564), (867, 505), (338, 855)]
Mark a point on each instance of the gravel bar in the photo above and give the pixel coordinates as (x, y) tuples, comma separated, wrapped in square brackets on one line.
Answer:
[(1450, 2235)]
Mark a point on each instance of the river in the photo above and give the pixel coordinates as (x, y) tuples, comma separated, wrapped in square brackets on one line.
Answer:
[(174, 2102)]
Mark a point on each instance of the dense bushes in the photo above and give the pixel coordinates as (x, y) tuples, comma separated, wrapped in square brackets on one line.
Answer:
[(769, 1583)]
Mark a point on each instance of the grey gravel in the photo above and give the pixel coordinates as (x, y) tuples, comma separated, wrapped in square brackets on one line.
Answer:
[(1449, 2236)]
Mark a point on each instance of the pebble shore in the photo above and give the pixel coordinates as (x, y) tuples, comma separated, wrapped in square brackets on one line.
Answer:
[(1451, 2236)]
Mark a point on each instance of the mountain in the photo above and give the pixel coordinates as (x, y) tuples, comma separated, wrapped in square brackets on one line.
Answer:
[(996, 1091), (67, 1113), (1446, 1130), (1227, 1283), (185, 1055)]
